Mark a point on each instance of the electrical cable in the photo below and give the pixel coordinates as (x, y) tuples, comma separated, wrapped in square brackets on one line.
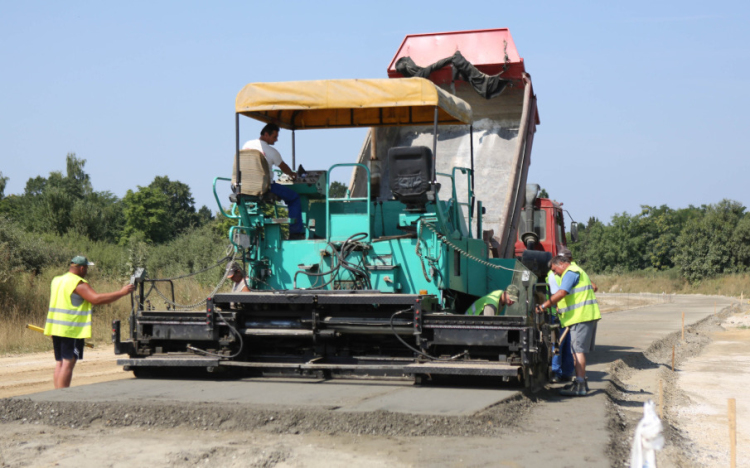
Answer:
[(234, 330), (421, 353), (338, 260)]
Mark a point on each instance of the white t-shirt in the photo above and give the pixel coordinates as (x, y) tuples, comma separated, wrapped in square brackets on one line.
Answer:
[(272, 156)]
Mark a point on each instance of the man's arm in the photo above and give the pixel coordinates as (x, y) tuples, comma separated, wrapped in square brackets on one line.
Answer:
[(552, 300), (87, 292), (286, 170)]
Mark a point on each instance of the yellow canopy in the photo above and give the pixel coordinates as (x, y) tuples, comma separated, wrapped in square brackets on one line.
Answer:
[(351, 103)]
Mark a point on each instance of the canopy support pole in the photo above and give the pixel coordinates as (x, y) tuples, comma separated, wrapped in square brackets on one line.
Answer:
[(434, 147), (237, 151), (471, 152), (294, 159)]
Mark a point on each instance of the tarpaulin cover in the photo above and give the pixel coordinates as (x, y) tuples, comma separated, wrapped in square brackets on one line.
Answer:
[(486, 85), (351, 103)]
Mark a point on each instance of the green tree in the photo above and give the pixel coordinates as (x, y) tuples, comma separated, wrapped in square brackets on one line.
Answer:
[(66, 203), (3, 181), (741, 243), (180, 206), (337, 190), (204, 215), (146, 211), (706, 246), (543, 193)]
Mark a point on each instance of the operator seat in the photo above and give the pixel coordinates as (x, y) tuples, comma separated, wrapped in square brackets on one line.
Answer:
[(256, 175), (410, 174)]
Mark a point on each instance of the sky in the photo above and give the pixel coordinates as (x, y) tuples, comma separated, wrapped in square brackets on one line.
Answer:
[(641, 102)]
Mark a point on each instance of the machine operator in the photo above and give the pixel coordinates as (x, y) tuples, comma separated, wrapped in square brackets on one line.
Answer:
[(268, 136)]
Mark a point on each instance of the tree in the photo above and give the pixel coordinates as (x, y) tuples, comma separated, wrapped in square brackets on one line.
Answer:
[(61, 203), (180, 205), (146, 212), (543, 194), (204, 215), (707, 245), (337, 190), (3, 181)]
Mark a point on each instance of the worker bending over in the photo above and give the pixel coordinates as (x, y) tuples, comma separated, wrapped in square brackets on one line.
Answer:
[(492, 303)]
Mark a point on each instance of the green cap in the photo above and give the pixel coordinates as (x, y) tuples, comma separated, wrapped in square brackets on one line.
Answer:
[(81, 260), (513, 292)]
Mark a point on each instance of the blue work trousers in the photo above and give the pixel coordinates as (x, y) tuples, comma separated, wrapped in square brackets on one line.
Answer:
[(562, 363), (291, 198)]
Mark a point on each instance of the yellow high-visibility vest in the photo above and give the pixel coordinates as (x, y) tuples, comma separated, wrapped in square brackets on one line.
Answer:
[(69, 315), (580, 304), (551, 276), (493, 298)]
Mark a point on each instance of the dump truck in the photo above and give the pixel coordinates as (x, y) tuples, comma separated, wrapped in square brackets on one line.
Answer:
[(381, 282)]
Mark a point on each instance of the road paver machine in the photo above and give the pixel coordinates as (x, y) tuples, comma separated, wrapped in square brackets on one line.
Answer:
[(380, 283)]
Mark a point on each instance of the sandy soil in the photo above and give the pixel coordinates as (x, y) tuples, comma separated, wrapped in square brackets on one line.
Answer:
[(32, 373), (706, 382), (711, 365)]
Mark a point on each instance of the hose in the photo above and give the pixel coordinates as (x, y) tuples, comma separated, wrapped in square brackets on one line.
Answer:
[(421, 353), (339, 255)]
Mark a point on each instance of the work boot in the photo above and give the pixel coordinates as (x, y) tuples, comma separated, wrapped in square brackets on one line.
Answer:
[(573, 380), (574, 389)]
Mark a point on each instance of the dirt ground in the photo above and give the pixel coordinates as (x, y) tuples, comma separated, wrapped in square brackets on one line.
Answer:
[(31, 373), (711, 365)]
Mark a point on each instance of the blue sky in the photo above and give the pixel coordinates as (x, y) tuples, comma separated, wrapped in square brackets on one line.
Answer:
[(640, 102)]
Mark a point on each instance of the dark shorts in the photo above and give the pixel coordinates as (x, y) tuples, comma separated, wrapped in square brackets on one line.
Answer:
[(68, 348), (583, 337)]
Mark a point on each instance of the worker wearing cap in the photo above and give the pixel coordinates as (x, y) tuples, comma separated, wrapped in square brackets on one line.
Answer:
[(268, 136), (563, 364), (235, 273), (490, 304), (577, 309), (69, 316)]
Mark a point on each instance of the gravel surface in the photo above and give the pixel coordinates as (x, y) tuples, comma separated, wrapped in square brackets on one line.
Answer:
[(634, 379), (505, 415)]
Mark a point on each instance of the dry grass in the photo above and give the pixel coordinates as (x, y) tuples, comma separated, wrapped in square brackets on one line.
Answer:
[(671, 283), (26, 299)]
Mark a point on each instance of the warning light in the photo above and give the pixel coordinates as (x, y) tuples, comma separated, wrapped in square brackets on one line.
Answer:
[(422, 292)]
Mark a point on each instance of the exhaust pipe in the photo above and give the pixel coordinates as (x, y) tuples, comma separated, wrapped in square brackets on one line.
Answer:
[(529, 238)]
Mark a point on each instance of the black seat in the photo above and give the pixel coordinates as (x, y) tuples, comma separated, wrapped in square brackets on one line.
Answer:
[(410, 174)]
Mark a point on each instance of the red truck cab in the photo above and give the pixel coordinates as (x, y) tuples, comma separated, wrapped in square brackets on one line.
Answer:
[(549, 226), (541, 231)]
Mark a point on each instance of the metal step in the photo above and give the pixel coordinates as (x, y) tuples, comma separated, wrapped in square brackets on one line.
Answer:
[(459, 368), (170, 361)]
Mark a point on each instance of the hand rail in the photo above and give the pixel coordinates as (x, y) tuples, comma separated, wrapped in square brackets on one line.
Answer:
[(455, 206), (469, 176), (221, 208), (328, 198)]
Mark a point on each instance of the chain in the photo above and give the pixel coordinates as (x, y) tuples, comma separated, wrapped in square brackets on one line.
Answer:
[(421, 260), (203, 302), (227, 257), (444, 240)]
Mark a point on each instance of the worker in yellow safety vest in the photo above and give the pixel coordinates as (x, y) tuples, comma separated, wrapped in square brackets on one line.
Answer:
[(492, 303), (578, 310), (69, 316)]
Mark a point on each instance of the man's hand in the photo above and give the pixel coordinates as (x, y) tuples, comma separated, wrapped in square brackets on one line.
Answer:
[(540, 309), (127, 289)]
